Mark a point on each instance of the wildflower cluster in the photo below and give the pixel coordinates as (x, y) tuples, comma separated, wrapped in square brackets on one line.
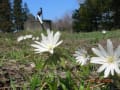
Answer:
[(20, 38), (108, 59), (55, 72)]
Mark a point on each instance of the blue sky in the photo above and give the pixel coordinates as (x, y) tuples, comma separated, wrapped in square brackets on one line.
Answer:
[(52, 9)]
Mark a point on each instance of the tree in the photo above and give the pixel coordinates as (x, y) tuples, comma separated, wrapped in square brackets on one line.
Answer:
[(26, 12), (93, 15), (76, 21), (18, 15), (82, 19), (5, 16), (116, 13)]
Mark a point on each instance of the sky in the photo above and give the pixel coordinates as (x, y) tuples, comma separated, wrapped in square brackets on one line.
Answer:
[(52, 9)]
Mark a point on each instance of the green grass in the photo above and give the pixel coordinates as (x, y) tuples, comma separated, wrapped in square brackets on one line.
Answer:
[(92, 35), (60, 68)]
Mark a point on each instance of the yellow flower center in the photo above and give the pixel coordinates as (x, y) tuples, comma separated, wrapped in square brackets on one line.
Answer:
[(50, 47), (110, 59), (84, 55)]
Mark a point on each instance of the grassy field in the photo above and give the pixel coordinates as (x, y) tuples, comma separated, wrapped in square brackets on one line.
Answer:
[(52, 72)]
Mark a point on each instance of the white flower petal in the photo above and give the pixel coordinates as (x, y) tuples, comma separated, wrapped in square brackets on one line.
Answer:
[(117, 69), (41, 50), (97, 60), (43, 36), (42, 44), (112, 69), (58, 43), (35, 45), (109, 47), (97, 52), (50, 36), (20, 38), (107, 72), (102, 68), (104, 53), (117, 52), (51, 51), (56, 37)]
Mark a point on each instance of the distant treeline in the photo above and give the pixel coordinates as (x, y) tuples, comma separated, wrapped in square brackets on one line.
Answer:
[(13, 14), (97, 15)]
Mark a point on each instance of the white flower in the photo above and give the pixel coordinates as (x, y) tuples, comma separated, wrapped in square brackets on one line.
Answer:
[(33, 38), (28, 36), (37, 38), (104, 31), (32, 65), (48, 43), (20, 38), (24, 37), (109, 59), (81, 56)]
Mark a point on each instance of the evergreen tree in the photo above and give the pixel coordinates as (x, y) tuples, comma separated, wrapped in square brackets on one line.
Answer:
[(26, 12), (18, 15), (116, 13), (93, 15), (76, 21), (5, 16), (82, 20)]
